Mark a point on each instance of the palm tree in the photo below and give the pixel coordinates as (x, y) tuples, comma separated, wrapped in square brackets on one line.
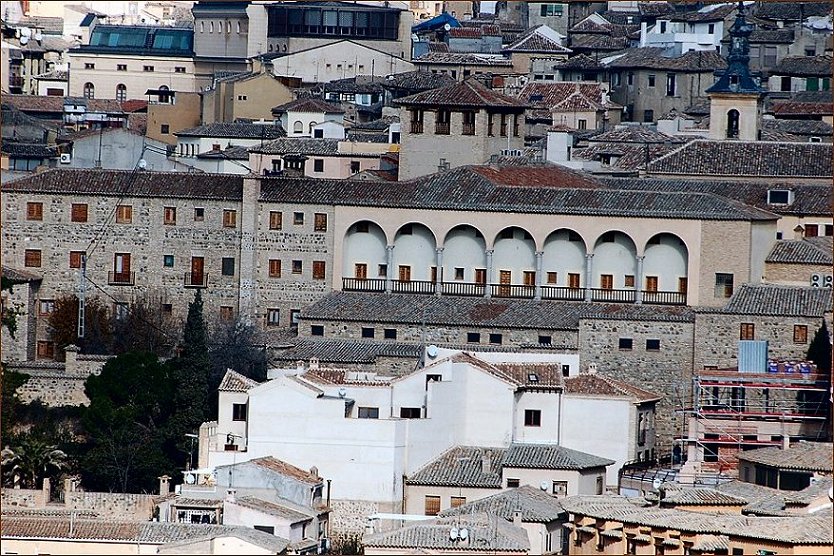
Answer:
[(31, 461)]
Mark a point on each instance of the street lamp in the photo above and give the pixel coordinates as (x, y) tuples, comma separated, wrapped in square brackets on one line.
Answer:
[(193, 437)]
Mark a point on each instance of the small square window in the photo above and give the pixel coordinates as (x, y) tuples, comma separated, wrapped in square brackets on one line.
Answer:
[(147, 68), (34, 211), (367, 332), (317, 330), (75, 258), (747, 331), (32, 258), (199, 214), (124, 214), (532, 417), (800, 334), (276, 220), (167, 308), (46, 306), (318, 164), (228, 266), (354, 166), (238, 412), (298, 218), (496, 338), (179, 69), (121, 67), (274, 268), (229, 218), (273, 317), (227, 313), (168, 261), (79, 212), (46, 350), (319, 270), (165, 129), (458, 273), (653, 345), (390, 334), (723, 285), (513, 483), (626, 343), (545, 340), (382, 271), (320, 222), (297, 267), (629, 281), (473, 337), (551, 277)]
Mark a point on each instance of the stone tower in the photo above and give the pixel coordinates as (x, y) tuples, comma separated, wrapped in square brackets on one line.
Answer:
[(735, 99)]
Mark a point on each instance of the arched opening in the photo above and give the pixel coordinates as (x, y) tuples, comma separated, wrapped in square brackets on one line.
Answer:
[(164, 97), (364, 266), (614, 267), (312, 126), (514, 262), (563, 265), (89, 90), (732, 124), (121, 92), (298, 127), (464, 261), (415, 258), (665, 268)]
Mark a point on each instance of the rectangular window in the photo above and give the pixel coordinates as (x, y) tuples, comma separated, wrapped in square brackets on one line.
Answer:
[(629, 281), (468, 123), (228, 266), (34, 211), (227, 313), (653, 345), (545, 340), (273, 317), (432, 505), (46, 306), (565, 371), (480, 276), (368, 332), (316, 330), (581, 123), (459, 273), (551, 278), (496, 338), (229, 218), (606, 281), (491, 124), (32, 258), (75, 259), (168, 261), (320, 222), (164, 129), (404, 273), (318, 164), (147, 68), (516, 132), (79, 212), (410, 412), (167, 308), (319, 270), (46, 350), (390, 334), (812, 230), (800, 334), (121, 67), (651, 283), (382, 271), (630, 79), (560, 488), (275, 220), (671, 84), (368, 413), (513, 483), (503, 129), (747, 331), (625, 344), (124, 214), (532, 417), (354, 167), (651, 80), (170, 216), (529, 278), (648, 116), (298, 218), (723, 284), (473, 337), (89, 66), (360, 271), (199, 214), (297, 267), (458, 501), (179, 69), (573, 280), (683, 285), (274, 268), (238, 412)]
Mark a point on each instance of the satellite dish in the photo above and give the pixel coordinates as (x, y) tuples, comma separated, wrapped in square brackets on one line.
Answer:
[(190, 478), (463, 533), (24, 39), (25, 32), (342, 392), (432, 351), (657, 483), (38, 36), (447, 26), (414, 37), (143, 164), (544, 486), (453, 533)]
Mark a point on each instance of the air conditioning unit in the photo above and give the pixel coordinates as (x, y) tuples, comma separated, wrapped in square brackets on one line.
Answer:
[(66, 158), (822, 280)]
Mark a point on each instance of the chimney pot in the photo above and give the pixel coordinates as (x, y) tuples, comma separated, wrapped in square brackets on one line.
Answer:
[(486, 463)]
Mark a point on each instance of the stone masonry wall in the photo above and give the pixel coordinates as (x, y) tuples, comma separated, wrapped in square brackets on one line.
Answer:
[(793, 274), (24, 498), (112, 505)]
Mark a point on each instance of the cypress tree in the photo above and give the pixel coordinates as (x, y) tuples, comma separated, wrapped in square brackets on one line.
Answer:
[(820, 349)]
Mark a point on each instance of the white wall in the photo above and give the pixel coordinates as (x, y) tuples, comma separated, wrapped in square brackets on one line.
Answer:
[(598, 426), (462, 248), (368, 248), (618, 258), (666, 260), (549, 405), (563, 257), (416, 250), (516, 255)]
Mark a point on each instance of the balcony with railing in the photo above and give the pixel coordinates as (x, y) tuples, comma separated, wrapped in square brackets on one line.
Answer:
[(412, 286), (468, 129), (363, 284), (613, 296), (562, 293), (469, 289), (416, 127), (122, 278), (195, 280), (442, 128)]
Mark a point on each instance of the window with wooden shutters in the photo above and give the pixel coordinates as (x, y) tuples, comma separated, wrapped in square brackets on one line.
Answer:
[(46, 350), (573, 280), (229, 218), (458, 501), (318, 270), (651, 283), (480, 276), (75, 259), (226, 313), (273, 317), (34, 211), (320, 224), (683, 285), (170, 216), (606, 281), (432, 505), (32, 258), (552, 277), (46, 306), (124, 214), (274, 268), (800, 334), (360, 271), (532, 418), (529, 278), (276, 220), (79, 212)]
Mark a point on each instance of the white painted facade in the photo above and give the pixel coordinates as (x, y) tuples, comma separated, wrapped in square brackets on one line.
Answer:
[(681, 36), (302, 124)]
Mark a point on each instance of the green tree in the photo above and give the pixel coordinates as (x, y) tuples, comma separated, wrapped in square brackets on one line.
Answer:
[(191, 377), (820, 349), (10, 402), (131, 403), (30, 461), (239, 346), (63, 322), (8, 312), (145, 327)]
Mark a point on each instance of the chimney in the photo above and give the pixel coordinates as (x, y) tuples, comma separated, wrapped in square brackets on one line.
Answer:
[(486, 464), (47, 489), (164, 485), (517, 517), (314, 363), (592, 368), (230, 495), (215, 147), (786, 442), (299, 365), (314, 471), (798, 232), (71, 358)]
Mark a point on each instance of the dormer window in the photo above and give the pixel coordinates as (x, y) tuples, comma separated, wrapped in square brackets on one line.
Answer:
[(780, 197)]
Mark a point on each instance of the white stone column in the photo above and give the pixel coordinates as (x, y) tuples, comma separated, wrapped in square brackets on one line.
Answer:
[(438, 279), (538, 294), (389, 268), (589, 275), (487, 288), (638, 280)]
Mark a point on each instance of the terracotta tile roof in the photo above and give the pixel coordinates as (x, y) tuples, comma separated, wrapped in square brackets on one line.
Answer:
[(464, 311), (699, 497), (299, 145), (566, 96), (533, 40), (779, 300), (550, 456), (438, 47), (359, 84), (599, 385), (32, 103), (788, 108), (236, 382), (747, 158), (653, 58), (771, 36), (708, 13), (134, 105), (20, 276), (815, 490), (803, 456), (536, 505), (799, 127), (469, 93), (634, 134), (232, 152), (598, 42), (546, 375), (342, 376), (185, 502), (51, 25), (284, 468), (804, 66), (792, 10), (343, 351), (417, 81), (462, 466), (810, 250), (487, 534), (312, 105), (227, 130), (285, 510), (712, 543), (580, 61), (465, 33), (631, 156), (654, 9), (27, 150), (462, 58)]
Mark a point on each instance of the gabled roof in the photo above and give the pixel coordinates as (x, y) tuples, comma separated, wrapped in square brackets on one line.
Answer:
[(706, 14), (634, 134), (653, 58), (281, 467), (792, 11), (779, 300), (536, 505), (700, 497), (462, 466), (798, 127), (804, 66), (537, 40), (236, 382), (594, 384), (803, 456), (299, 145), (809, 250), (562, 96), (580, 61), (551, 456), (462, 58), (598, 42), (310, 105), (471, 93), (358, 84), (33, 103), (417, 80), (284, 510), (228, 130)]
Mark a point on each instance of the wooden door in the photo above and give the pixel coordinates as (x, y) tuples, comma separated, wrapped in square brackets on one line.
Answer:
[(197, 271), (606, 281), (683, 285), (651, 283), (121, 267), (360, 271), (405, 273), (505, 278)]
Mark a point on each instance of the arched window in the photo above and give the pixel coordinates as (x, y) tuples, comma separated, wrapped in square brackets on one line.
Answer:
[(121, 92), (312, 126), (228, 27), (89, 90), (270, 47), (211, 27), (238, 27), (732, 124), (298, 127), (202, 26), (164, 97)]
